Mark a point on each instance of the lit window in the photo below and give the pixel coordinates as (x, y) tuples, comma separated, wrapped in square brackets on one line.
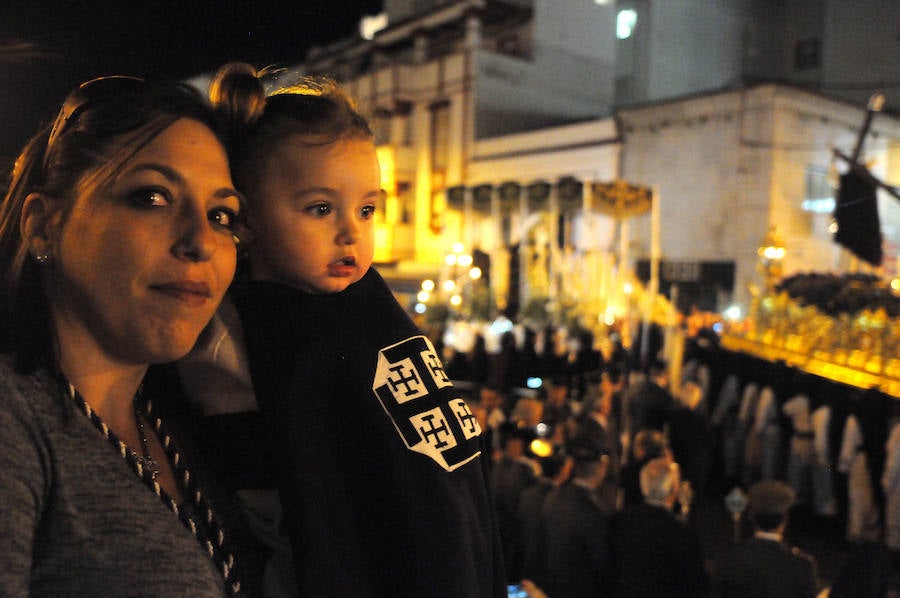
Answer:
[(625, 23), (819, 191)]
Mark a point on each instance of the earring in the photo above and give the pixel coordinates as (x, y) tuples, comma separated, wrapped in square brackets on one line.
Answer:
[(42, 257)]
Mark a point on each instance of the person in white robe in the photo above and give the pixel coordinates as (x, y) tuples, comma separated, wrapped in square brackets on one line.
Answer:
[(746, 436), (767, 428), (824, 502), (862, 516), (890, 482), (801, 456), (724, 422)]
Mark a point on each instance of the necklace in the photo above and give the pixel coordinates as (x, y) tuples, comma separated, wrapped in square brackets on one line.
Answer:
[(197, 514), (146, 459)]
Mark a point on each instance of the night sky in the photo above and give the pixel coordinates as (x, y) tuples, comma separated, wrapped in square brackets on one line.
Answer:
[(47, 47)]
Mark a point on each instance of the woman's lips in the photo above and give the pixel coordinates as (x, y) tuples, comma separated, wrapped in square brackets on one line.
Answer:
[(190, 292)]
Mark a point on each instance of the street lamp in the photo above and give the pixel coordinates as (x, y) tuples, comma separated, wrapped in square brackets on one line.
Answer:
[(457, 273), (771, 258)]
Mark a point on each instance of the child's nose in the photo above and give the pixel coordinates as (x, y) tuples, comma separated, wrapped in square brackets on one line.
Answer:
[(350, 232)]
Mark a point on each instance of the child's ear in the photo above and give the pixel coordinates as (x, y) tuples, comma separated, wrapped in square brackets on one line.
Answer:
[(38, 224)]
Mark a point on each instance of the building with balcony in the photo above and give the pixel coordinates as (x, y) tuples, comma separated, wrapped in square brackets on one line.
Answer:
[(500, 121)]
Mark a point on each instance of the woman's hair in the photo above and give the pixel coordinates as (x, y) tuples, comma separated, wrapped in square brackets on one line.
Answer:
[(101, 126), (316, 109)]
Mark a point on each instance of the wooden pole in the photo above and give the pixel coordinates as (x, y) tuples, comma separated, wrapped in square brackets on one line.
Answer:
[(876, 102)]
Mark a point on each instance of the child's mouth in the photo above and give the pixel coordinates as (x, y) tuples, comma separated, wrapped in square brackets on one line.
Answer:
[(344, 267)]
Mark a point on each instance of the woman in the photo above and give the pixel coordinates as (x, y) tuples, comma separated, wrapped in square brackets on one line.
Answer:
[(116, 246)]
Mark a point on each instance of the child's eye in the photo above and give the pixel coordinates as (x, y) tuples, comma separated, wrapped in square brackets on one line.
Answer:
[(318, 209), (149, 198), (367, 212)]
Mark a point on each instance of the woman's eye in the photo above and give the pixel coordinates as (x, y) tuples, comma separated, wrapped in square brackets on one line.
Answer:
[(149, 198), (224, 217), (367, 212)]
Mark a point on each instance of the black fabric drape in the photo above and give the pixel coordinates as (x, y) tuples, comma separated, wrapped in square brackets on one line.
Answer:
[(856, 213)]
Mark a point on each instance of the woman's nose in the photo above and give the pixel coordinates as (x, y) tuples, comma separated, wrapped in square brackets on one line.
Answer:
[(196, 239)]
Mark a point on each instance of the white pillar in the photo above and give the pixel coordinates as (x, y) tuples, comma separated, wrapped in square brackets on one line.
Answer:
[(553, 266), (654, 243)]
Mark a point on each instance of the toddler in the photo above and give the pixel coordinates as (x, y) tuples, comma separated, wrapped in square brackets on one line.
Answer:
[(378, 460)]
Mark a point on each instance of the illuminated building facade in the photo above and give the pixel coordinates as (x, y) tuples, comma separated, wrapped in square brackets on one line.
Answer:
[(496, 120)]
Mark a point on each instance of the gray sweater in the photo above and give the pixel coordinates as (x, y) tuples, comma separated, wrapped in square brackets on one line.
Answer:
[(75, 519)]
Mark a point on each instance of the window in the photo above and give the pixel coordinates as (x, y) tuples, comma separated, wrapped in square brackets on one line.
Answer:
[(807, 55), (625, 23), (819, 195), (381, 126), (401, 131), (440, 132), (440, 140)]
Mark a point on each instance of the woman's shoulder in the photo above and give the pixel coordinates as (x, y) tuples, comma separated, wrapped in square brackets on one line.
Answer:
[(11, 381), (25, 393), (31, 417)]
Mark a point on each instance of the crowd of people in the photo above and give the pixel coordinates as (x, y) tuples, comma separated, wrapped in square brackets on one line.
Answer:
[(640, 452)]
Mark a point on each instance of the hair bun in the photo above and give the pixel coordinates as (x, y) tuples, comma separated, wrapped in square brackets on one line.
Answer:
[(237, 93)]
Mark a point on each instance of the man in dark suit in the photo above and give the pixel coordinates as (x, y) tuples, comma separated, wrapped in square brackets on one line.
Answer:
[(649, 401), (764, 566), (576, 528), (595, 422), (554, 472), (512, 474), (648, 445), (689, 436), (655, 555)]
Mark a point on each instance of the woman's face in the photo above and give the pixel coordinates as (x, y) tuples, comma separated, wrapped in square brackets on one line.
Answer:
[(313, 214), (141, 264)]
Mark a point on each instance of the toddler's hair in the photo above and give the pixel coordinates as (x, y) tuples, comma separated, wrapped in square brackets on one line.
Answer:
[(316, 109)]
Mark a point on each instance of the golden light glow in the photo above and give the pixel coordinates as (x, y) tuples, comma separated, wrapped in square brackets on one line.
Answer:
[(387, 214), (423, 296), (450, 260), (387, 162), (455, 300), (772, 247), (383, 243), (465, 260), (428, 285), (458, 247), (772, 253), (541, 448), (449, 285), (475, 273)]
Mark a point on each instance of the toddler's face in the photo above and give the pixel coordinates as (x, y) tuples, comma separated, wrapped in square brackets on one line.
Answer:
[(312, 214)]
